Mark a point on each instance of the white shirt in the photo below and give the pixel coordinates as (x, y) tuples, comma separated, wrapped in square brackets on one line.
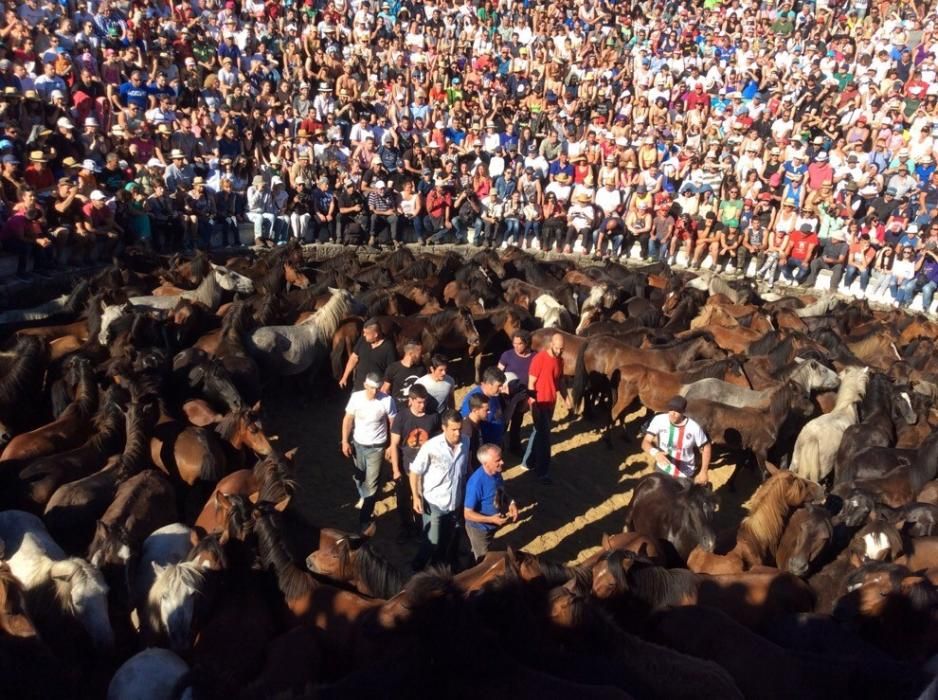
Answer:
[(443, 469), (371, 417), (678, 443), (439, 390)]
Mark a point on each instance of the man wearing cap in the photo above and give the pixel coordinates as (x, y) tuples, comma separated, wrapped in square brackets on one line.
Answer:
[(382, 203), (369, 415), (672, 439), (796, 260)]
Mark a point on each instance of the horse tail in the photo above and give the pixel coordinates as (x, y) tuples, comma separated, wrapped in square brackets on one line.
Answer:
[(580, 376), (213, 461)]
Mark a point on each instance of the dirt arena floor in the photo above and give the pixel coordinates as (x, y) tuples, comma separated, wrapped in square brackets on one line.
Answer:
[(564, 521)]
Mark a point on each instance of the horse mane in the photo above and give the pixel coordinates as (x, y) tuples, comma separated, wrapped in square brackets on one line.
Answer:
[(228, 425), (768, 508), (276, 487), (184, 573), (24, 378), (768, 343), (779, 400), (79, 574), (689, 337), (77, 298), (293, 581), (273, 280), (656, 586), (709, 369), (327, 319), (200, 266), (376, 572), (852, 387)]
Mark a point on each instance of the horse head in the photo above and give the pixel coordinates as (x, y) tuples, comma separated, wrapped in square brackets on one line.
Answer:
[(336, 551), (172, 600), (429, 600), (902, 409), (467, 326), (813, 533), (876, 541), (82, 590), (856, 509), (232, 281)]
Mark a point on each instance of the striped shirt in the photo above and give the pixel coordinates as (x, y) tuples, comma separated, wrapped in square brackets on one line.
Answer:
[(678, 443)]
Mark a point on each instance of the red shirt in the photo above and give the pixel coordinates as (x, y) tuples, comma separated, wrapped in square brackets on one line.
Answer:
[(801, 243), (547, 371)]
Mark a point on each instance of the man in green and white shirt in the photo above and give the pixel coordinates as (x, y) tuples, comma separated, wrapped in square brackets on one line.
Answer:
[(671, 439)]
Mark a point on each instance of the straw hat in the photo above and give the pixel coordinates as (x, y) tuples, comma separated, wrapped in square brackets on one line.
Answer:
[(38, 157)]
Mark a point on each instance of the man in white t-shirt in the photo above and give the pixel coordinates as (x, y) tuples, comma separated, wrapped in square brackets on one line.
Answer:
[(671, 439), (439, 385), (365, 437)]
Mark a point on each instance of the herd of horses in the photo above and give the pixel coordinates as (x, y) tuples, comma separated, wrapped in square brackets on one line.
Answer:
[(151, 545)]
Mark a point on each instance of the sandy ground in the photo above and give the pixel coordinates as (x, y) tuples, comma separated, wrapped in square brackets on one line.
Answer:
[(564, 521)]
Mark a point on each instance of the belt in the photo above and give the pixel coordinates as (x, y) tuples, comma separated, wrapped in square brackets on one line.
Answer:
[(358, 444)]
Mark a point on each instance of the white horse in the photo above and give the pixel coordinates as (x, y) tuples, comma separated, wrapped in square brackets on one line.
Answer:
[(209, 292), (552, 313), (289, 350), (67, 303), (170, 606), (153, 674), (109, 314), (819, 440), (169, 544), (809, 375), (42, 567)]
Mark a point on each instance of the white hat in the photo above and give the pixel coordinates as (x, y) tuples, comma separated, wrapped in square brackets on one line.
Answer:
[(154, 163), (56, 94), (911, 228), (64, 123), (176, 153), (300, 181), (275, 180), (98, 196), (88, 164), (379, 184), (91, 121), (821, 157)]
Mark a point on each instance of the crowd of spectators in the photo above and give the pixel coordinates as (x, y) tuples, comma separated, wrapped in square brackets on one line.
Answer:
[(781, 137)]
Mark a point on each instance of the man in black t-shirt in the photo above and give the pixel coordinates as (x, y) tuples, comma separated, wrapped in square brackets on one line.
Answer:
[(402, 374), (372, 353), (412, 427)]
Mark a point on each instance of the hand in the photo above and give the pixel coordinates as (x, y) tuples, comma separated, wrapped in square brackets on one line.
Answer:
[(513, 511), (387, 453), (395, 472), (661, 459), (343, 382), (568, 402), (498, 519), (702, 478), (346, 448), (418, 505)]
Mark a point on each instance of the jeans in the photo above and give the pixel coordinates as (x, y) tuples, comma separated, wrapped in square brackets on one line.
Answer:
[(417, 223), (512, 228), (928, 293), (795, 270), (438, 528), (883, 282), (537, 454), (657, 249), (379, 222), (367, 471), (903, 292), (851, 274), (532, 230), (462, 226)]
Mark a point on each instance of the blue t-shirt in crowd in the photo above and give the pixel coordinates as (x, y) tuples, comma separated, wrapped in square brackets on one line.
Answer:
[(481, 490), (493, 427)]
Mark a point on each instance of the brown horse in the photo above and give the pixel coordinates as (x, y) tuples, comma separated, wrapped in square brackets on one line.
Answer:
[(350, 558), (69, 429), (249, 483), (14, 619), (21, 380), (806, 538)]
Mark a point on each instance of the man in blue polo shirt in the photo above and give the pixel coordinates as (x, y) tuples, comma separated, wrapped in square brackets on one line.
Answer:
[(486, 507), (134, 92), (493, 427)]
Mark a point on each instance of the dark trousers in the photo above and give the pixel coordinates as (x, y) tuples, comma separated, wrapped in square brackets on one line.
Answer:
[(537, 454), (379, 223), (743, 256), (837, 271)]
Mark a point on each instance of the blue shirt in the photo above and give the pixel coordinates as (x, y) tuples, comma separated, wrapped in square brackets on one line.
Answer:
[(131, 94), (493, 427), (481, 491)]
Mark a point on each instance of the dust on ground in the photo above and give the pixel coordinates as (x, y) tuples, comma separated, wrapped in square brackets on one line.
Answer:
[(564, 521)]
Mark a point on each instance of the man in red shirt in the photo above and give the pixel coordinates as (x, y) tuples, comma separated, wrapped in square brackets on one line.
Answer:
[(545, 381), (439, 205), (797, 260)]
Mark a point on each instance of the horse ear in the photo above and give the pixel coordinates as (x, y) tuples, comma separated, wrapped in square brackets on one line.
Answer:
[(157, 568), (289, 455), (369, 531), (642, 549), (193, 538), (512, 558), (256, 407), (333, 290), (607, 542), (281, 505), (222, 499)]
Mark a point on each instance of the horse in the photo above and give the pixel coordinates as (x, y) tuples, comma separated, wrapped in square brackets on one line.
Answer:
[(21, 381), (171, 604), (53, 583), (349, 558), (36, 482), (209, 292), (809, 375), (805, 540), (451, 329), (69, 429), (169, 544), (290, 350), (552, 313), (66, 305), (152, 674), (74, 507), (882, 409), (817, 444), (754, 429), (668, 510)]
